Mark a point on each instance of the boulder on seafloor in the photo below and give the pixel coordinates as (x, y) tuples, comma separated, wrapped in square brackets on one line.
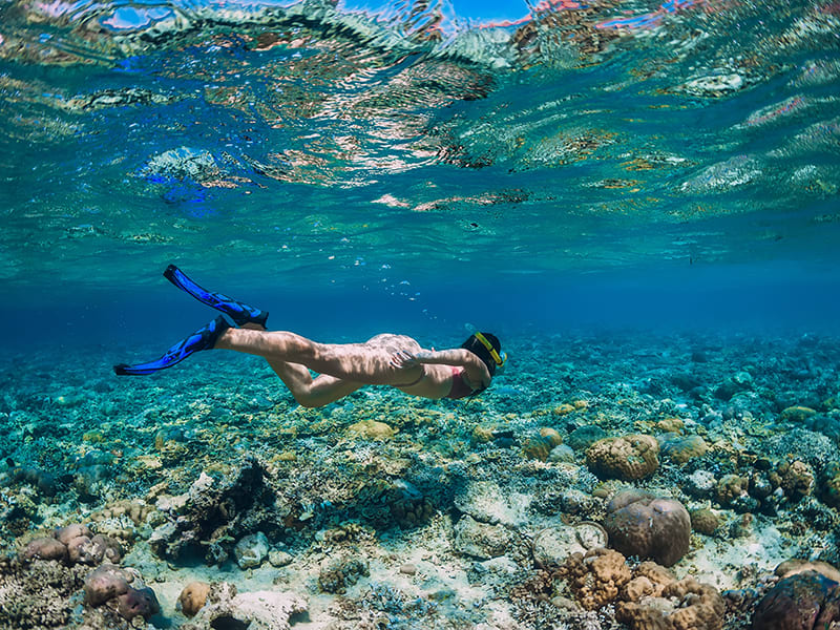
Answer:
[(553, 545), (258, 610), (642, 525), (481, 540), (485, 501), (251, 550), (122, 589), (802, 601), (193, 597)]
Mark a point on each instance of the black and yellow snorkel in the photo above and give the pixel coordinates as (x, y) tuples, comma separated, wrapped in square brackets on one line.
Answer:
[(498, 358)]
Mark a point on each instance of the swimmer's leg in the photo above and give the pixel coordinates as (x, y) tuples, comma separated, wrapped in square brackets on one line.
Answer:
[(202, 339), (354, 362), (240, 313), (308, 392)]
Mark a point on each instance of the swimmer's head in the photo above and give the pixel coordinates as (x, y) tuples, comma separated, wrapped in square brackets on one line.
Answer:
[(486, 347)]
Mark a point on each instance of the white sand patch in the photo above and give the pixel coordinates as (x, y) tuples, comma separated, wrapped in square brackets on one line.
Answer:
[(719, 562)]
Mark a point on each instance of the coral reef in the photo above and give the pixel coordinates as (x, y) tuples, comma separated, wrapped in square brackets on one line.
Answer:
[(212, 514), (42, 585), (480, 516), (646, 597)]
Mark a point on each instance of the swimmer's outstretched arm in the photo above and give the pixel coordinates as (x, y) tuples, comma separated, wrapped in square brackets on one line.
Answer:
[(456, 356), (476, 369)]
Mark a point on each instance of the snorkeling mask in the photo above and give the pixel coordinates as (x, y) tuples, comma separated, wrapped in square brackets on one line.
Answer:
[(498, 358)]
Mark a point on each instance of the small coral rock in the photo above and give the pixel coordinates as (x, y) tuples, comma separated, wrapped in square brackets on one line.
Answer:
[(630, 457), (251, 550), (537, 448), (797, 479), (704, 521), (481, 540), (138, 602), (104, 583), (681, 450), (342, 573), (730, 488), (649, 580), (372, 430), (803, 601), (797, 413), (193, 597), (551, 435), (44, 549), (641, 525), (85, 550), (829, 485), (552, 545), (595, 578)]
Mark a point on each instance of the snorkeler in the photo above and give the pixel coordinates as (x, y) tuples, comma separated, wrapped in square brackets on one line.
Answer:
[(387, 359)]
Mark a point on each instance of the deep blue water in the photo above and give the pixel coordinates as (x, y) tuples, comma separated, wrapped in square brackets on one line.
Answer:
[(357, 168)]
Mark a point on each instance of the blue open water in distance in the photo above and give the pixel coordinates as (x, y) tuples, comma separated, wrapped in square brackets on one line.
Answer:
[(360, 168)]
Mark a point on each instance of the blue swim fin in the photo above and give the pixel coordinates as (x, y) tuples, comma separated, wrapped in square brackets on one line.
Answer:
[(202, 339), (237, 311)]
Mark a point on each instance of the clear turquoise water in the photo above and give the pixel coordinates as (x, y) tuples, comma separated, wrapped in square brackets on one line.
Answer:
[(360, 168)]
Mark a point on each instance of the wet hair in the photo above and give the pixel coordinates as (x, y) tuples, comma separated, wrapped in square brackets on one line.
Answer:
[(477, 348)]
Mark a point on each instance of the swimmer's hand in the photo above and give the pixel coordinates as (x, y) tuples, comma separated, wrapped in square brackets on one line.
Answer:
[(403, 359)]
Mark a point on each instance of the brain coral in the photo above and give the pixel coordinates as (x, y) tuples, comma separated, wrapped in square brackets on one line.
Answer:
[(640, 525), (629, 457)]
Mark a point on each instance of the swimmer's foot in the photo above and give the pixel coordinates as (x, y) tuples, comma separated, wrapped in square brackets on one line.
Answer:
[(202, 339), (240, 313)]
